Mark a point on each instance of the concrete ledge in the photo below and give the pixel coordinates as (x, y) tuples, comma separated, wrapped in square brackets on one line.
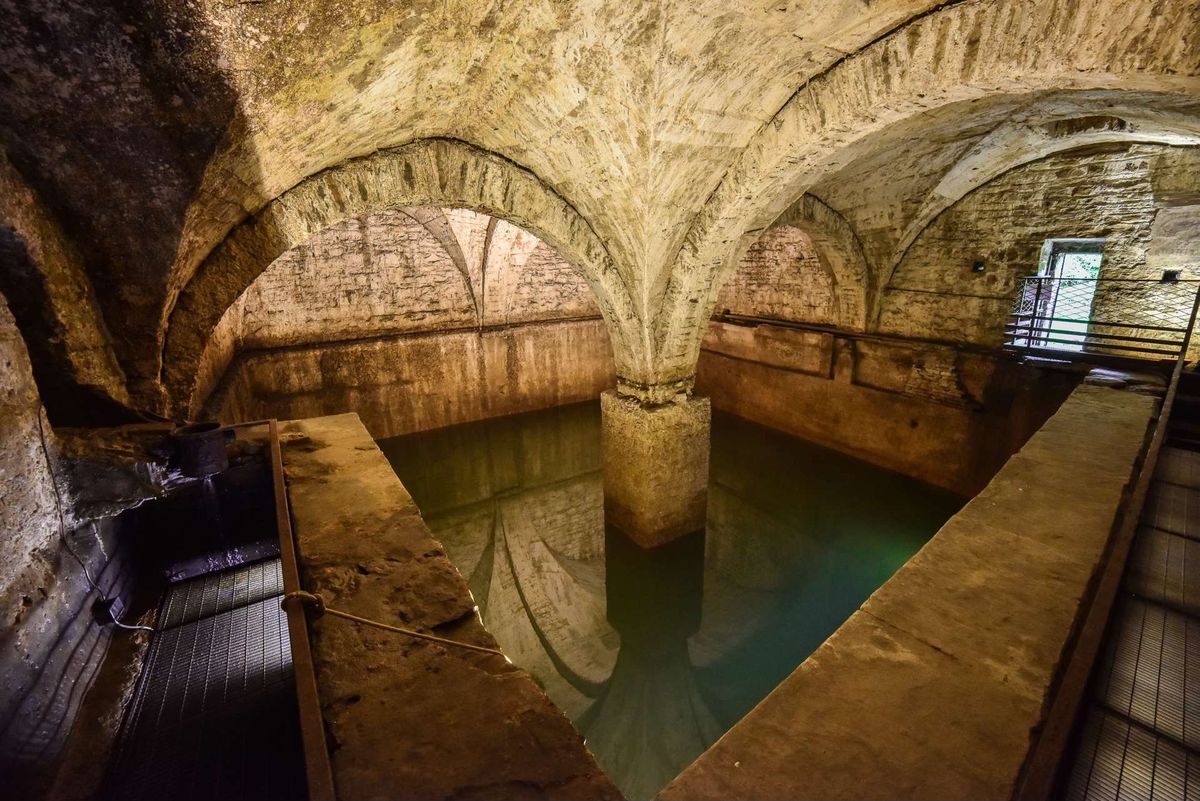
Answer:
[(937, 685), (407, 718)]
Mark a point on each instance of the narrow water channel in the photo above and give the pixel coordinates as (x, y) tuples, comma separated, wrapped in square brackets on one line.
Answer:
[(655, 654)]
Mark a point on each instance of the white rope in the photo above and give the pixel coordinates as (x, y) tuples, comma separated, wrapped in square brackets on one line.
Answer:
[(316, 604)]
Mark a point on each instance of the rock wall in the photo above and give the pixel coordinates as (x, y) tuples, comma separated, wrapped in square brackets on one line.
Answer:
[(50, 648), (52, 301), (28, 516)]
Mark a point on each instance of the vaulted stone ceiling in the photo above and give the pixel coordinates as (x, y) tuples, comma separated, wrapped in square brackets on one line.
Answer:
[(673, 131)]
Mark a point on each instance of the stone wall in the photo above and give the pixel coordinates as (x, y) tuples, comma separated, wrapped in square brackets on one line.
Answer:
[(1113, 193), (50, 648), (414, 318), (780, 277), (948, 416), (28, 517), (404, 383), (924, 392)]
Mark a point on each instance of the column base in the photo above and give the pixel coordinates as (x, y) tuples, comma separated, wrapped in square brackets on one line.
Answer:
[(655, 467)]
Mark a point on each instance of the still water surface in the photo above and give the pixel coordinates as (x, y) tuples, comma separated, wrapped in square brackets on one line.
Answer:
[(655, 654)]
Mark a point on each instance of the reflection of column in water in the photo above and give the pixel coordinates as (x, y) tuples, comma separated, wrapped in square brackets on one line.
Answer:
[(546, 603), (651, 720)]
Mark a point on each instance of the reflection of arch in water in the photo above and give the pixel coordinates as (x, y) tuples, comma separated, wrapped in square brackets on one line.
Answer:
[(528, 532)]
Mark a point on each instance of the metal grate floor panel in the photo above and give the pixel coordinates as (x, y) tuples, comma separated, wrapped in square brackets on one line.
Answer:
[(208, 595), (214, 714), (1140, 736), (1178, 466), (1170, 507), (1166, 568), (1150, 651), (1119, 760)]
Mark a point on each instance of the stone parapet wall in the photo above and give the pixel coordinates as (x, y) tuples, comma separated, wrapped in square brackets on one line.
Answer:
[(406, 718), (939, 684)]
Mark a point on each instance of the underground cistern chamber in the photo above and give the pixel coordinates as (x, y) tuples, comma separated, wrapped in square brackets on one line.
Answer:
[(592, 400)]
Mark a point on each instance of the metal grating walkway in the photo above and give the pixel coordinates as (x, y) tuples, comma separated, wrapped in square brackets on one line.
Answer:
[(1140, 738), (214, 714), (1128, 761), (1142, 675), (218, 592), (1174, 508), (1165, 568), (1179, 466)]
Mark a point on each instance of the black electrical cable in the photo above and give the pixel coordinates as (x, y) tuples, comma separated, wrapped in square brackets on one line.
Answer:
[(62, 531)]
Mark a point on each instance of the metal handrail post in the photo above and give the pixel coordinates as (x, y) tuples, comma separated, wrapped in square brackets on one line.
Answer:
[(1037, 306)]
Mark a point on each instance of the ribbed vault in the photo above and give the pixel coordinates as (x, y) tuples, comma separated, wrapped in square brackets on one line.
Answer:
[(650, 143)]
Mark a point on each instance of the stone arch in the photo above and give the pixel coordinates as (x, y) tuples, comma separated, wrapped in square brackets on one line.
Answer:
[(840, 253), (960, 52), (432, 172)]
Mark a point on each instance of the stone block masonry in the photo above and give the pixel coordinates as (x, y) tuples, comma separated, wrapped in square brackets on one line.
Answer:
[(946, 416), (413, 382), (407, 718), (655, 467)]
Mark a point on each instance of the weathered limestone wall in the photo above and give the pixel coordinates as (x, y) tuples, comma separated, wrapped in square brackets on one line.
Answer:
[(28, 518), (947, 413), (782, 278), (947, 416), (399, 384), (1109, 194), (52, 300), (398, 271), (50, 647), (389, 702), (938, 685)]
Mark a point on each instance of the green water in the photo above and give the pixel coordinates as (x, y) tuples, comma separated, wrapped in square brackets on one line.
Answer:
[(655, 654)]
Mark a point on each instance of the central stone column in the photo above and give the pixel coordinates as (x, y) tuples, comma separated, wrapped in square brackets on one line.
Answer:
[(655, 466)]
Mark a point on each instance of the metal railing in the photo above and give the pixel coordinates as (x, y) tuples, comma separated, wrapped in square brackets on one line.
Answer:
[(319, 772), (1130, 317)]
